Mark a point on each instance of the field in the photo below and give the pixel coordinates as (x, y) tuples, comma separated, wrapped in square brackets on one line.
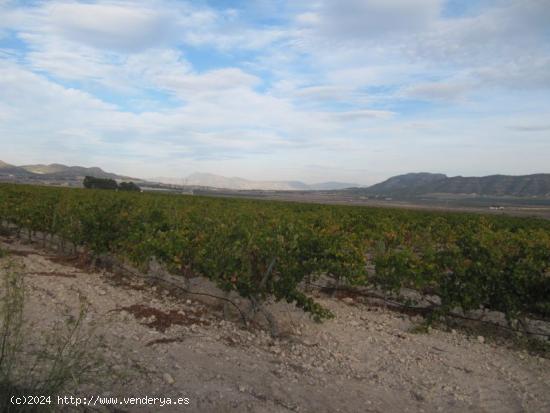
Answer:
[(267, 250), (512, 206)]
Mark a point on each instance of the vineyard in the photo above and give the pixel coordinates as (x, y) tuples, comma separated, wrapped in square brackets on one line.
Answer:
[(274, 250)]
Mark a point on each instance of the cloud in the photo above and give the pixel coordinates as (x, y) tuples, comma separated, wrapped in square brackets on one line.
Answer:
[(127, 27), (326, 96), (440, 91), (309, 19), (531, 128), (526, 72), (498, 34), (227, 37), (120, 27), (222, 115), (126, 47), (324, 92), (357, 115), (367, 19), (213, 82), (89, 66), (110, 26), (18, 86)]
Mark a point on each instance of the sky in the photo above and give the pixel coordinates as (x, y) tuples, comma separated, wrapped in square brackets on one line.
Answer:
[(320, 90)]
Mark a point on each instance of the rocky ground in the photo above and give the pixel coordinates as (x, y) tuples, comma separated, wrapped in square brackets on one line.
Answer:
[(156, 342)]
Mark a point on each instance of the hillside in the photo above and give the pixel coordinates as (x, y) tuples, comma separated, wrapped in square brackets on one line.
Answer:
[(58, 170), (54, 173), (7, 170), (45, 169), (415, 184)]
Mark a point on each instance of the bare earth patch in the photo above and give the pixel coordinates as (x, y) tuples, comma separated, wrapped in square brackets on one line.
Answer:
[(161, 320), (365, 360)]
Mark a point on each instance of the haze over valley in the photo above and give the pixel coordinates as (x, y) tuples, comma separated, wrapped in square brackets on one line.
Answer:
[(410, 186)]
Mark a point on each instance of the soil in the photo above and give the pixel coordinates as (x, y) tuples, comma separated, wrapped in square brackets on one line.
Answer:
[(157, 342)]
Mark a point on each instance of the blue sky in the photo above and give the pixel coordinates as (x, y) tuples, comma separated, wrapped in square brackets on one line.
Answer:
[(349, 90)]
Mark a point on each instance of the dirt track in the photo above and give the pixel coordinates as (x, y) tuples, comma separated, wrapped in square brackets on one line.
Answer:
[(365, 360)]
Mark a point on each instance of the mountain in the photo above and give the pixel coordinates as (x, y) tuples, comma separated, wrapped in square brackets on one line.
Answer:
[(407, 184), (73, 175), (62, 171), (54, 173), (331, 186), (416, 184), (7, 170), (235, 183), (45, 169)]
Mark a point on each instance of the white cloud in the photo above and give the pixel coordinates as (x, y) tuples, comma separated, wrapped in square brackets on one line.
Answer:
[(357, 115), (325, 93), (230, 118), (66, 60), (308, 19), (25, 90), (212, 83), (450, 91), (400, 42), (122, 27), (365, 19), (501, 34), (534, 126), (126, 47), (127, 27), (526, 72), (228, 37)]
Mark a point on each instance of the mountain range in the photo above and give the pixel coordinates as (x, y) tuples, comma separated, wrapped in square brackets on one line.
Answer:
[(218, 181), (73, 175), (402, 186), (54, 173), (418, 184)]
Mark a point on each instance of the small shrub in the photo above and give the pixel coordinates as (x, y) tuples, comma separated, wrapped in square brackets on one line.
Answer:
[(55, 363)]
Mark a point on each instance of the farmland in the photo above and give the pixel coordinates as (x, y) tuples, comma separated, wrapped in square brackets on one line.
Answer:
[(273, 250), (286, 266)]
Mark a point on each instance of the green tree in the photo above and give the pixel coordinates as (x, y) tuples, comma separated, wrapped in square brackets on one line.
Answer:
[(91, 182)]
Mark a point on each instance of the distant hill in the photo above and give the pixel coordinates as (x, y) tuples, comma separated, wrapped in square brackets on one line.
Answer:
[(45, 169), (73, 175), (407, 184), (415, 184), (235, 183), (412, 185), (56, 173), (60, 171), (11, 170)]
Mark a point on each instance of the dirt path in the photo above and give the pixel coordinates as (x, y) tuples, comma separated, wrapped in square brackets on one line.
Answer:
[(365, 360)]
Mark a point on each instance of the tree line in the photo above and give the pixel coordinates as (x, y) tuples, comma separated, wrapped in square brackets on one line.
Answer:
[(91, 182)]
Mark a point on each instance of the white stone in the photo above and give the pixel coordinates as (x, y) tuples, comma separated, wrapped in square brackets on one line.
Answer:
[(168, 378)]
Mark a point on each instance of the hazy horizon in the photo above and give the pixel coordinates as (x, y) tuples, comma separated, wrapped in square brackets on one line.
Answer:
[(352, 90)]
